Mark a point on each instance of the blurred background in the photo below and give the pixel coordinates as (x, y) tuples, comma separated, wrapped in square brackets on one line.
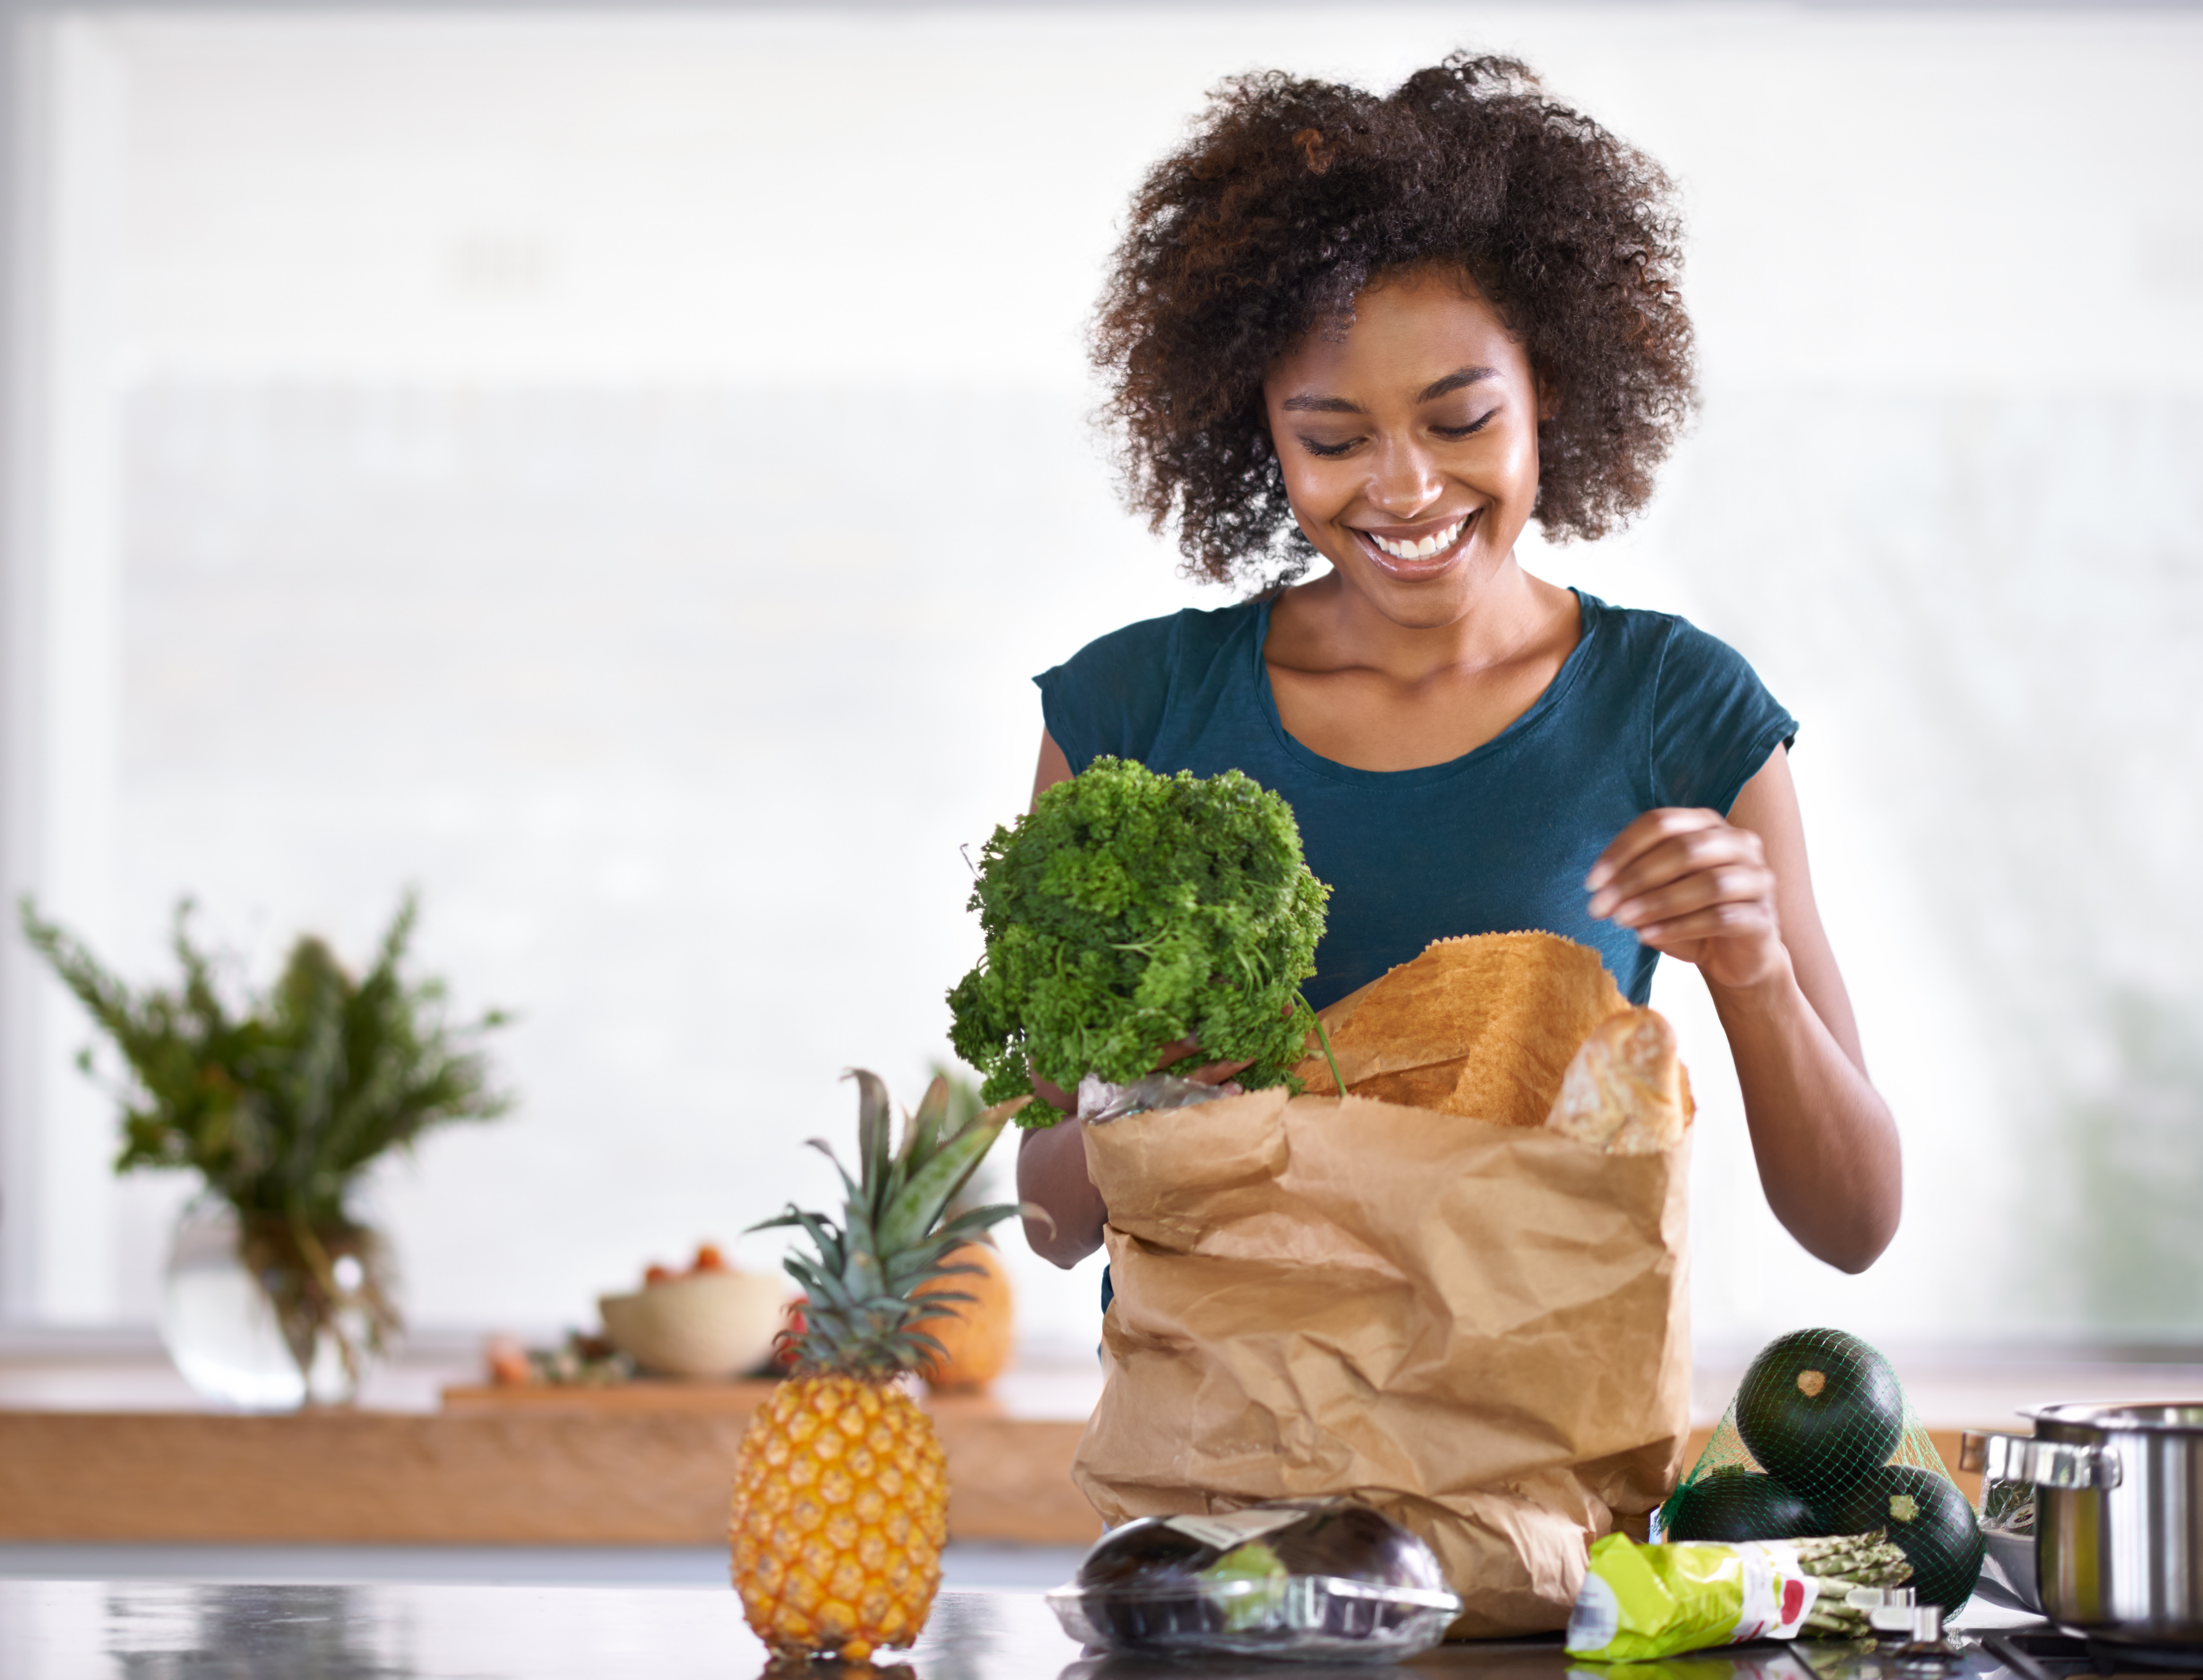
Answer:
[(619, 469)]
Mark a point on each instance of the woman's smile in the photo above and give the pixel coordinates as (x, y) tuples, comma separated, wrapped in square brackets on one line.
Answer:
[(1421, 550)]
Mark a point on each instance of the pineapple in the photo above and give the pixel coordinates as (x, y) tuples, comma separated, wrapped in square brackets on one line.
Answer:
[(841, 1500)]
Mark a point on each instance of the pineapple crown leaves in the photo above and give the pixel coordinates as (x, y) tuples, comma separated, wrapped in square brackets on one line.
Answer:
[(895, 1234)]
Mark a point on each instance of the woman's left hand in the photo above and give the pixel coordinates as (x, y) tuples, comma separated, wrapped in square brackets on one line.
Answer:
[(1697, 888)]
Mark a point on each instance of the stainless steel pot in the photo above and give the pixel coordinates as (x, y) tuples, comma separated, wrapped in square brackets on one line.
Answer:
[(2118, 1516)]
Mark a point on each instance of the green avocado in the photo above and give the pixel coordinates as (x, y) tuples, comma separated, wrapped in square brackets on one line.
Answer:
[(1735, 1504), (1818, 1410), (1926, 1517), (1260, 1577)]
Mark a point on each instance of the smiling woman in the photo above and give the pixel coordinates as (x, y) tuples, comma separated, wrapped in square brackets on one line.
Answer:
[(1416, 492), (1296, 196), (1387, 333)]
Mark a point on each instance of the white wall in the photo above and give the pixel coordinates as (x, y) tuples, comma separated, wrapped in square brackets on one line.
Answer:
[(61, 578), (621, 473)]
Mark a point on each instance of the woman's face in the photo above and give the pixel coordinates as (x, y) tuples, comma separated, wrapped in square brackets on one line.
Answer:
[(1409, 445)]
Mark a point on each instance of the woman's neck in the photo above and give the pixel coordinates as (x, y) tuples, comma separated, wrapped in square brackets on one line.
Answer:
[(1487, 622), (1358, 686)]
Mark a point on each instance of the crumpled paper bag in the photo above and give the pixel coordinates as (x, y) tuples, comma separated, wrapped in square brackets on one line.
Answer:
[(1482, 1329)]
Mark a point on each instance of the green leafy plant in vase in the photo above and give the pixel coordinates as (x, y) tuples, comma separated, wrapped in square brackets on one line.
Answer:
[(280, 1101)]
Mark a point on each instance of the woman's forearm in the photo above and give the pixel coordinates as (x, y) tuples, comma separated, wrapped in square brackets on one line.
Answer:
[(1828, 1149), (1734, 897), (1052, 1176)]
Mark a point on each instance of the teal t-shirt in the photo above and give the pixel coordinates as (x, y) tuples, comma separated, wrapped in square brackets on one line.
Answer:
[(1647, 710)]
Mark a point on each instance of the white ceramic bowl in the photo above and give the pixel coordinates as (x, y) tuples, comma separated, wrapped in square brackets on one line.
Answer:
[(706, 1324)]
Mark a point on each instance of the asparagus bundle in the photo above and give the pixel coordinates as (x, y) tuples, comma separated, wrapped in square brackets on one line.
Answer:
[(1838, 1566)]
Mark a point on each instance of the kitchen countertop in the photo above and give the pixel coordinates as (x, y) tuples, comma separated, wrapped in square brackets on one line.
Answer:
[(66, 1629)]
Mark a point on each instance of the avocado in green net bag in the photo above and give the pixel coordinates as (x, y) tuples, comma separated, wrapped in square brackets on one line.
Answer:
[(1736, 1504), (1819, 1409), (1820, 1440), (1926, 1517)]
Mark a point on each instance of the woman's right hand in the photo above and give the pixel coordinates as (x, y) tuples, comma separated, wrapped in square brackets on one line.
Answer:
[(1052, 1176), (1052, 1166)]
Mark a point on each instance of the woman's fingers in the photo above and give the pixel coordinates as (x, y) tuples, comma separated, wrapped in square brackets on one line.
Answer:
[(1721, 884), (1648, 833), (1670, 856), (1216, 1072), (1054, 1096), (1176, 1050), (1728, 921), (1695, 887)]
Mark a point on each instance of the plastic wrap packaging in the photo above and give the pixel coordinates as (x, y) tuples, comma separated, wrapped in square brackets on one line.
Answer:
[(1645, 1602), (1303, 1579), (1641, 1602), (1101, 1102)]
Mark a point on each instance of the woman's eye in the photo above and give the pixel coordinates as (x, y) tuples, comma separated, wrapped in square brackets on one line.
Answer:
[(1315, 445), (1470, 429)]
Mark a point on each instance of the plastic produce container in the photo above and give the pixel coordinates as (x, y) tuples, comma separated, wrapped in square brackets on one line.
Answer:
[(1313, 1580)]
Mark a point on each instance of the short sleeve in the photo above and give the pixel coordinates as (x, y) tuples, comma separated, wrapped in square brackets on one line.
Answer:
[(1714, 723), (1109, 697)]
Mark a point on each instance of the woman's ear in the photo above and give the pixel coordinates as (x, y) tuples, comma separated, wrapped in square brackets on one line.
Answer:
[(1549, 399)]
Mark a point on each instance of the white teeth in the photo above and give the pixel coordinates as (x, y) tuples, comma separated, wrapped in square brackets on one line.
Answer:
[(1437, 544)]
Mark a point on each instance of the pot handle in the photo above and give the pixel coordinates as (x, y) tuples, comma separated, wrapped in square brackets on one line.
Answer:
[(2046, 1464)]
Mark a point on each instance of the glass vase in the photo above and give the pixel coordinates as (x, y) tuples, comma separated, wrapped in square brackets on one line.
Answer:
[(265, 1316)]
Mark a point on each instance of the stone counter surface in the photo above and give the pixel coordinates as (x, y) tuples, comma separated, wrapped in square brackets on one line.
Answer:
[(72, 1630)]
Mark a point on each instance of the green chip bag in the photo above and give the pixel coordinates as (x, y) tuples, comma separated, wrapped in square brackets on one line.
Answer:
[(1641, 1602)]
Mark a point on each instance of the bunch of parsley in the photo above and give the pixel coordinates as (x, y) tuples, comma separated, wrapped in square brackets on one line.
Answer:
[(1130, 911)]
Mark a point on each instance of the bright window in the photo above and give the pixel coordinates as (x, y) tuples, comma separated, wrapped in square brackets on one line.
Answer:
[(620, 474)]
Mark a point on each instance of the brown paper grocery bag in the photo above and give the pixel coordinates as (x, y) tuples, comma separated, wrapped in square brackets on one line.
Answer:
[(1482, 1329)]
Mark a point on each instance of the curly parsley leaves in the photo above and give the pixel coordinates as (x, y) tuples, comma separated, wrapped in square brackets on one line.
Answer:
[(1132, 910)]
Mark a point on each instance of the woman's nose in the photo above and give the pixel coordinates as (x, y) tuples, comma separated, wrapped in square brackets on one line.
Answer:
[(1404, 480)]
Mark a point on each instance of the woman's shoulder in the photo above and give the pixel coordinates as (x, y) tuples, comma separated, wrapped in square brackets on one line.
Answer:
[(1141, 646), (1111, 695), (1668, 648), (1712, 720)]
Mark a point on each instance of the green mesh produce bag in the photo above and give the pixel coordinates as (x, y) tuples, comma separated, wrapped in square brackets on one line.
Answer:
[(1820, 1440)]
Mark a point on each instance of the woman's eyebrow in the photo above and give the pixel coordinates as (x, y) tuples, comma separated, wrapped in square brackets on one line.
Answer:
[(1310, 402), (1454, 382)]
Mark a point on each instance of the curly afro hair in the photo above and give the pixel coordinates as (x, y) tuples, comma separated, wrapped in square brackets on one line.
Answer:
[(1292, 197)]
